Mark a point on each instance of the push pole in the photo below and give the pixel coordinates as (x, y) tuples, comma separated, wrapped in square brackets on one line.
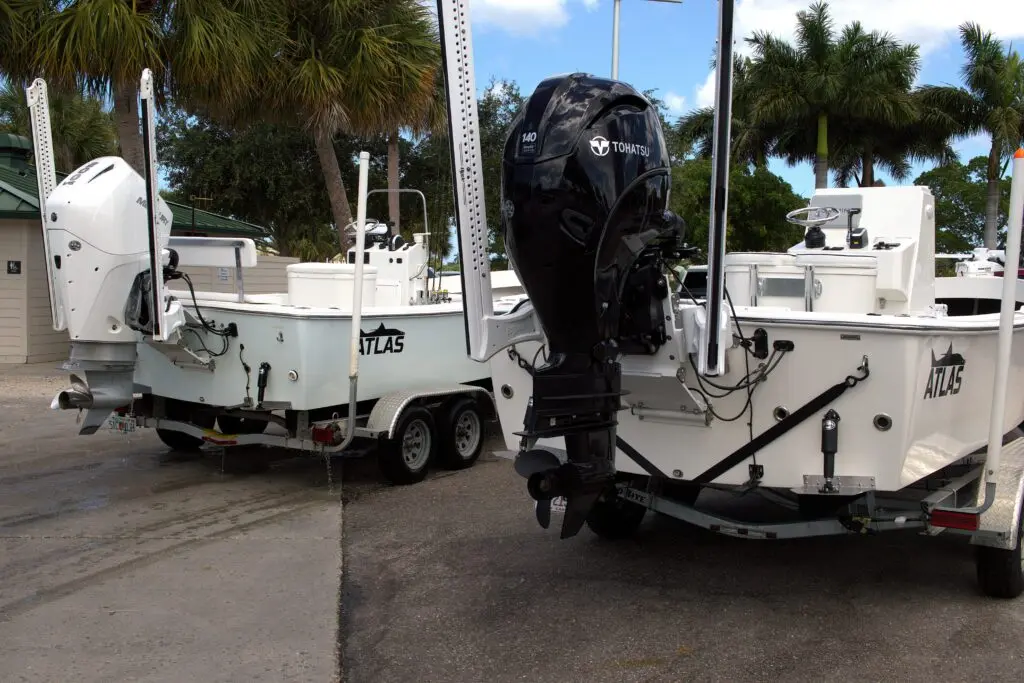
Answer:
[(357, 300), (1007, 313)]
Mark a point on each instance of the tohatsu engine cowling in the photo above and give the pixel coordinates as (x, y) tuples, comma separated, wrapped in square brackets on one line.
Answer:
[(585, 189)]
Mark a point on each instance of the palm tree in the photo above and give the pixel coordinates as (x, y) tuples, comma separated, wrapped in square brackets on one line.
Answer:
[(825, 78), (212, 48), (82, 128), (992, 103), (752, 142), (863, 146), (341, 67), (19, 20), (420, 117)]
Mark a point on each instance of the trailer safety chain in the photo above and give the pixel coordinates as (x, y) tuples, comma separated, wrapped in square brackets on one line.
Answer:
[(516, 357), (330, 475)]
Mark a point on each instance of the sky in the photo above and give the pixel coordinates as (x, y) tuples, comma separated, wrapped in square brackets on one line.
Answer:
[(668, 47)]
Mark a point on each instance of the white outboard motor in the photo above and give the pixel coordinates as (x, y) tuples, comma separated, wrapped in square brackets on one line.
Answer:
[(98, 229)]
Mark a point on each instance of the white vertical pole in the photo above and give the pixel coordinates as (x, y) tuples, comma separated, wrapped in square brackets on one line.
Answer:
[(615, 40), (1007, 313), (357, 302), (456, 33), (46, 178), (357, 289)]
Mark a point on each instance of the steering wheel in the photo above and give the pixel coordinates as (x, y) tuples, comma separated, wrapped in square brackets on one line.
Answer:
[(830, 214), (370, 225)]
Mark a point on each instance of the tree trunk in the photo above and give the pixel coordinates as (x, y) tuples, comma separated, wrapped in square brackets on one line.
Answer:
[(340, 209), (991, 234), (393, 182), (867, 163), (821, 159), (129, 131)]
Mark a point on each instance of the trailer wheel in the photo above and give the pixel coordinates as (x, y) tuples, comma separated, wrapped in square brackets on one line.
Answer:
[(186, 443), (178, 441), (1001, 571), (462, 434), (229, 424), (613, 518), (404, 459)]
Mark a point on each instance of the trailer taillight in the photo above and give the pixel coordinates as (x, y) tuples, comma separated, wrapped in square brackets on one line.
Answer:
[(324, 435), (951, 519)]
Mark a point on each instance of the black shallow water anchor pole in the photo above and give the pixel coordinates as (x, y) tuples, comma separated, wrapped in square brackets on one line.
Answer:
[(829, 446), (719, 187)]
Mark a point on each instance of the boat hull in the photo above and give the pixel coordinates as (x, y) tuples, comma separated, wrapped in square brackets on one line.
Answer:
[(307, 351), (925, 404)]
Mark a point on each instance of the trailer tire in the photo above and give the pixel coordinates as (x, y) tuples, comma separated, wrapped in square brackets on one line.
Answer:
[(462, 434), (405, 458), (185, 443), (229, 424), (1001, 571), (614, 518), (178, 441)]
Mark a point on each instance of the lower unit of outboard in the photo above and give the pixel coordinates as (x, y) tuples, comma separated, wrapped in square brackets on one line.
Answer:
[(585, 189)]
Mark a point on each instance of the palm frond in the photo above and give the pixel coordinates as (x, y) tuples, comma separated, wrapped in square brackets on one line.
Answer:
[(98, 43), (984, 59)]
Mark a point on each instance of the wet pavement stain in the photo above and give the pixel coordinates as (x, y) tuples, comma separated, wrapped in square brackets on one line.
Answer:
[(105, 541)]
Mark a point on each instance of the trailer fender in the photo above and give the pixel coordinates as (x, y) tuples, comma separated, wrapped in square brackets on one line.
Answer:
[(1000, 524), (386, 411)]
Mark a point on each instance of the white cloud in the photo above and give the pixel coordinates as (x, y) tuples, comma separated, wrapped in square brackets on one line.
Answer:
[(706, 92), (525, 17), (676, 104), (497, 90), (932, 25)]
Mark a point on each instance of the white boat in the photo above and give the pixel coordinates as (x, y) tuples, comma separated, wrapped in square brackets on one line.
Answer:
[(841, 377), (207, 367)]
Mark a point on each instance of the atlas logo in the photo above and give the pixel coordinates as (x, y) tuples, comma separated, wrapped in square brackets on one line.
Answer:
[(600, 146), (381, 340), (946, 375)]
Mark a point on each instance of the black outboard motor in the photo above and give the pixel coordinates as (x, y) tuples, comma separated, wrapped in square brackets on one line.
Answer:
[(585, 188)]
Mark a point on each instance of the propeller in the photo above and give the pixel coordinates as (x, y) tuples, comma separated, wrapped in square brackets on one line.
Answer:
[(78, 384), (580, 483), (532, 463)]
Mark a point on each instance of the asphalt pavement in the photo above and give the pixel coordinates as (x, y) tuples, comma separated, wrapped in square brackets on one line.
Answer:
[(118, 563), (453, 580)]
